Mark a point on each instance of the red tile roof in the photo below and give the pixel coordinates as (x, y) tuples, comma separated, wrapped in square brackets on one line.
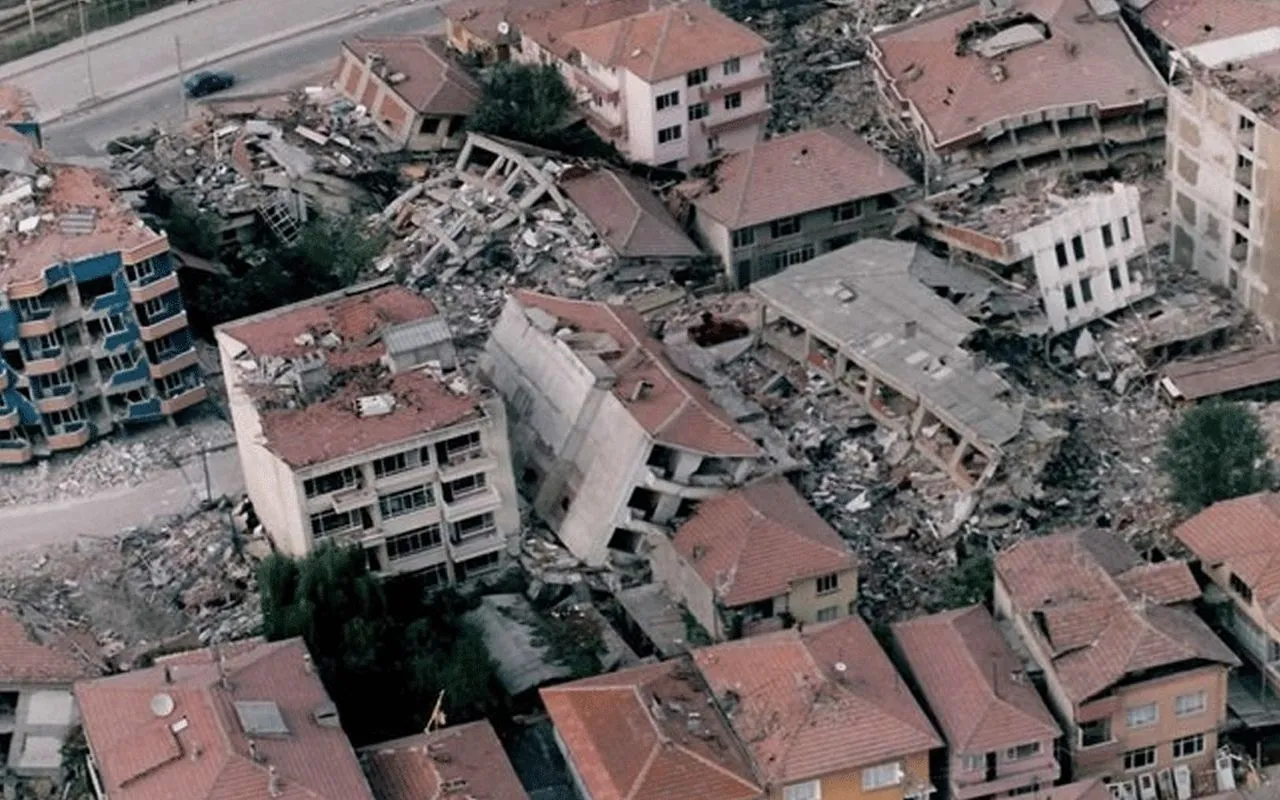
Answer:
[(675, 410), (811, 704), (1099, 609), (198, 750), (462, 761), (1241, 535), (649, 733), (628, 215), (973, 682), (1186, 23), (16, 104), (791, 175), (482, 17), (667, 42), (549, 27), (433, 83), (25, 659), (752, 543), (957, 93)]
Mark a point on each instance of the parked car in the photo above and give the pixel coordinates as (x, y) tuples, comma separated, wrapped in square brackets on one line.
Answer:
[(208, 82)]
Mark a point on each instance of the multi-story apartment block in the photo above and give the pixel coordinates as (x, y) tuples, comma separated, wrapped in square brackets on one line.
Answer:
[(352, 430), (1011, 88), (93, 331), (1224, 137), (1136, 679), (783, 201), (999, 735), (671, 86), (1081, 254), (613, 442)]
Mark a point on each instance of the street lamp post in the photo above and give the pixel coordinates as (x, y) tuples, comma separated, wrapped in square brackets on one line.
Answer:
[(84, 37)]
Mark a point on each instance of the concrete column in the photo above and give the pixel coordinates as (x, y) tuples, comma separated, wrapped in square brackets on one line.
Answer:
[(686, 464), (957, 458), (668, 505), (870, 390), (917, 419)]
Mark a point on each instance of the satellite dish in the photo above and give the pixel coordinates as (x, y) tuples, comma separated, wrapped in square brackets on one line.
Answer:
[(841, 666), (162, 705), (504, 28)]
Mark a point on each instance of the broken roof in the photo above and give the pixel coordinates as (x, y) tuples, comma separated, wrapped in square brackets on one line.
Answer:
[(1241, 535), (751, 543), (465, 760), (1219, 374), (666, 42), (813, 703), (481, 18), (793, 174), (1187, 23), (1102, 611), (432, 82), (16, 104), (178, 729), (649, 733), (515, 641), (342, 336), (1070, 57), (26, 659), (672, 408), (628, 215), (863, 299), (973, 681)]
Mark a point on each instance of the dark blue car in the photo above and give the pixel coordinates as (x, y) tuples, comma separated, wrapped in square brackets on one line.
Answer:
[(208, 82)]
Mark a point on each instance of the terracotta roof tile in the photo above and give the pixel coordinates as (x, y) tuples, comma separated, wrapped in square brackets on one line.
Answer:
[(24, 658), (1242, 535), (957, 94), (16, 104), (791, 175), (628, 215), (649, 733), (969, 677), (549, 27), (667, 42), (466, 760), (752, 543), (674, 410), (482, 17), (199, 750), (433, 83), (801, 715), (1186, 23), (1163, 583)]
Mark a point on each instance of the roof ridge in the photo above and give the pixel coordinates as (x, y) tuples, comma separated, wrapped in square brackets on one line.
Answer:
[(666, 11), (648, 762), (747, 175), (639, 212), (708, 762)]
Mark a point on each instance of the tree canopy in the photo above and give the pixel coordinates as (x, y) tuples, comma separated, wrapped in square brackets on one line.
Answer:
[(1215, 451), (522, 101)]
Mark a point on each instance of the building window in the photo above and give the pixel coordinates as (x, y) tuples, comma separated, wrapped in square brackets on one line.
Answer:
[(1108, 238), (732, 101), (809, 790), (1060, 250), (461, 448), (1142, 716), (787, 226), (733, 66), (971, 763), (1142, 758), (1233, 279), (828, 583), (696, 76), (113, 323), (1238, 586), (406, 502), (122, 361), (1188, 705), (668, 100), (328, 522), (416, 541), (478, 565), (713, 143), (1124, 229), (393, 464), (330, 482), (669, 134), (1086, 291), (474, 527), (881, 776), (143, 269), (1022, 752), (1115, 277), (1188, 746), (744, 237), (698, 111), (846, 211), (1077, 247), (1095, 732), (464, 486), (59, 419), (1069, 297), (792, 257), (829, 613)]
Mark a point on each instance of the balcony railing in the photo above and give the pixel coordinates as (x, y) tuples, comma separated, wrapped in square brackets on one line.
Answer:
[(9, 417), (459, 460), (472, 503), (47, 362), (712, 91), (15, 451), (186, 358), (351, 498), (4, 378), (58, 398), (70, 437), (712, 126), (166, 326), (38, 323), (142, 292), (183, 400)]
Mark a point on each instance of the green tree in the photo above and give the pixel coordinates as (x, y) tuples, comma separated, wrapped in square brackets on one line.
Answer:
[(1215, 451), (968, 583), (525, 102), (193, 230)]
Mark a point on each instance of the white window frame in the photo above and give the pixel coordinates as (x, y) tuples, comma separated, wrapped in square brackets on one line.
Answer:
[(882, 776), (828, 614), (1181, 742), (1143, 722), (1202, 705), (476, 533), (809, 790), (972, 763), (667, 100), (733, 101), (433, 533), (732, 66), (1013, 754), (403, 503), (143, 269), (112, 323), (1129, 757), (831, 580), (672, 133)]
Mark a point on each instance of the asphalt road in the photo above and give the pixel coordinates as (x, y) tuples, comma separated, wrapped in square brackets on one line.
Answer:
[(274, 67)]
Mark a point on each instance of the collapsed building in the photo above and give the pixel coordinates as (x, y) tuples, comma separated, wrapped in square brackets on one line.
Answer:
[(354, 426), (1008, 88)]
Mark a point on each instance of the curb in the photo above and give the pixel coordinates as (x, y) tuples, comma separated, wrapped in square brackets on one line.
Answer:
[(234, 52), (158, 18)]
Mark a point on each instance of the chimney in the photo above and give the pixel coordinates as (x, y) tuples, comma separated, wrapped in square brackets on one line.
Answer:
[(168, 674), (306, 663), (909, 329), (254, 755), (273, 781)]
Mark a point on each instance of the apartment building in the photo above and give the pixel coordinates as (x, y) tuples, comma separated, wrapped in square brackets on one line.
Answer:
[(999, 734), (415, 93), (755, 559), (37, 711), (1136, 679), (1081, 250), (353, 428), (462, 761), (247, 719), (1009, 89), (611, 442), (1222, 62), (488, 30), (93, 332), (785, 200), (671, 85), (1238, 545)]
